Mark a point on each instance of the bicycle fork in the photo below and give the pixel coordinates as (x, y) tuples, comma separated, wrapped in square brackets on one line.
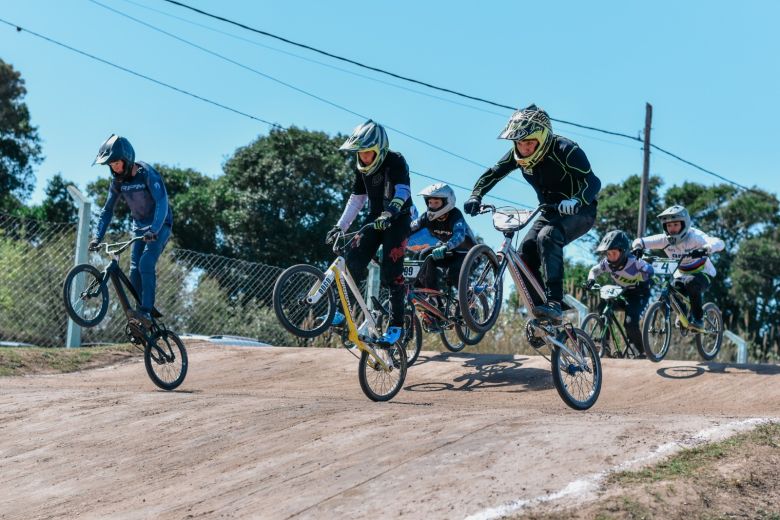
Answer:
[(353, 336), (577, 356)]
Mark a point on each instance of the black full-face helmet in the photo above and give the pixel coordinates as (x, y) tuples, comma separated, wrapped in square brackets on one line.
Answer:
[(615, 240), (114, 149)]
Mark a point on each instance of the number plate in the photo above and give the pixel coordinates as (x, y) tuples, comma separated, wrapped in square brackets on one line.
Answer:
[(664, 268), (411, 271)]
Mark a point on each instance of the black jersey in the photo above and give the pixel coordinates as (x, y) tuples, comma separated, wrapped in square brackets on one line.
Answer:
[(380, 186), (564, 173)]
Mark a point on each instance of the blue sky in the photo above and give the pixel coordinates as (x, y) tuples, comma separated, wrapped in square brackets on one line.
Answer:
[(709, 68)]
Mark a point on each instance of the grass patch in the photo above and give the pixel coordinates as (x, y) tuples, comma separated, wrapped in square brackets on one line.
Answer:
[(19, 361), (687, 462)]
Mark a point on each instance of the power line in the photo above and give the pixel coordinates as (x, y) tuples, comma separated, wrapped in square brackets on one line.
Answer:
[(138, 74), (284, 83), (435, 87), (321, 63), (201, 98), (703, 169), (383, 71)]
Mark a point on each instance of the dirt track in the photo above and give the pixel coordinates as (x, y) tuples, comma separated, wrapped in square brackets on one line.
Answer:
[(287, 433)]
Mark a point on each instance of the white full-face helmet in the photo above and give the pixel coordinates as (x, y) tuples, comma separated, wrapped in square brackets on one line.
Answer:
[(676, 213), (439, 191)]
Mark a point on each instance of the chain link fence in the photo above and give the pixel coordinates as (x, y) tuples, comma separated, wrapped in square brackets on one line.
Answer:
[(198, 293), (34, 257)]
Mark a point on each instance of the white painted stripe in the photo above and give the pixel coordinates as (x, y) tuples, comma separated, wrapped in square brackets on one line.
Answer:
[(590, 483)]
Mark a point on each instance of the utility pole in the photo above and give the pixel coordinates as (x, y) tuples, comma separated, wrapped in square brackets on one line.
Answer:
[(643, 187)]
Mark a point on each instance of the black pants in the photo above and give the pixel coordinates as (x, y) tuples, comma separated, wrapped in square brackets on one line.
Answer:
[(694, 286), (393, 242), (429, 276), (542, 246), (635, 306)]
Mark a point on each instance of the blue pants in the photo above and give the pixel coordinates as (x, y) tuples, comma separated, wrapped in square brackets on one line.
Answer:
[(143, 267)]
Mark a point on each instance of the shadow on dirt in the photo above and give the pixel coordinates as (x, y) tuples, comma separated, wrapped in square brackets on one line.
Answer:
[(486, 372), (688, 372)]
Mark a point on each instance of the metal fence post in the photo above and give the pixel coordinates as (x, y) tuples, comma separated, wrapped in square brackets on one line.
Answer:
[(82, 241), (741, 346), (581, 308), (372, 284)]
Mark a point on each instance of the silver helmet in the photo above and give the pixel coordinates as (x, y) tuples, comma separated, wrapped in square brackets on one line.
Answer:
[(676, 213), (369, 136), (439, 191)]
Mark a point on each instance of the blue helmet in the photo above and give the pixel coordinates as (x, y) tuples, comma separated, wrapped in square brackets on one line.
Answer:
[(114, 149)]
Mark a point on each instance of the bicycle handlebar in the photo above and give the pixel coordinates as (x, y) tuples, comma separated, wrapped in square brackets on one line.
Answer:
[(425, 253), (348, 237), (120, 246), (490, 208)]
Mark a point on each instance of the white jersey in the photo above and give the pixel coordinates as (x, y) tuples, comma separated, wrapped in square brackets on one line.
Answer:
[(695, 239)]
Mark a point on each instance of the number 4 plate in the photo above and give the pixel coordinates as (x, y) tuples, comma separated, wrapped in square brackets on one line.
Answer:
[(664, 267)]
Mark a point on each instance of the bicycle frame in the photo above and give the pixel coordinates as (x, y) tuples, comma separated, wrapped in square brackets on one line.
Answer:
[(673, 297), (614, 325), (338, 273), (520, 272)]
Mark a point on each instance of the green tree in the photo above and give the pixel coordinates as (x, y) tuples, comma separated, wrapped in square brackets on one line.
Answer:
[(58, 206), (619, 203), (19, 141), (756, 288), (280, 195), (191, 194)]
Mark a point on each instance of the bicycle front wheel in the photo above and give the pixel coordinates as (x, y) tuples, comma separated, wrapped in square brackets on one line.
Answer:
[(165, 359), (657, 331), (381, 384), (479, 275), (85, 295), (578, 382), (708, 342), (291, 289), (595, 327)]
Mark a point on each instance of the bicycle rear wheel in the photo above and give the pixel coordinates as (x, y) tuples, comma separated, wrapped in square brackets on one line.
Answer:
[(377, 383), (294, 313), (709, 342), (85, 295), (595, 326), (657, 331), (479, 275), (165, 359), (479, 309), (578, 383)]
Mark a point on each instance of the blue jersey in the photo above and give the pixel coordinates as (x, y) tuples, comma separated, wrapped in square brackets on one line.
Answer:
[(146, 197)]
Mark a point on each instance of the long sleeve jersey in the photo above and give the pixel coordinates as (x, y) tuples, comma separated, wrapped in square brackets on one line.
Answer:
[(695, 239), (634, 273), (390, 181), (564, 173), (146, 197), (452, 231)]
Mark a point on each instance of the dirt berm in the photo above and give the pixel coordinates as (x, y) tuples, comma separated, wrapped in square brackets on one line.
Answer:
[(287, 433)]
